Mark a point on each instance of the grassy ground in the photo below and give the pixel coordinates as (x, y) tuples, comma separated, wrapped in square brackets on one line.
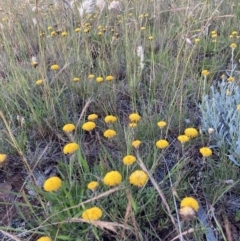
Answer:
[(155, 51)]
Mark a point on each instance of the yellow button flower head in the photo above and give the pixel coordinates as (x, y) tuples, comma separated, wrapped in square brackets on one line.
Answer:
[(238, 107), (190, 202), (197, 40), (54, 67), (134, 117), (52, 184), (191, 132), (53, 33), (214, 36), (34, 63), (110, 119), (91, 76), (92, 214), (138, 178), (129, 160), (49, 28), (206, 151), (112, 178), (132, 125), (183, 138), (162, 144), (77, 30), (88, 126), (136, 143), (150, 38), (92, 185), (76, 79), (205, 72), (99, 79), (161, 124), (233, 46), (109, 78), (92, 117), (45, 238), (3, 157), (230, 79), (70, 148), (109, 133), (68, 127), (64, 33), (39, 82)]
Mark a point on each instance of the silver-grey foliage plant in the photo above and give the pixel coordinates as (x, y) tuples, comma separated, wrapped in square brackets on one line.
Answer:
[(220, 111)]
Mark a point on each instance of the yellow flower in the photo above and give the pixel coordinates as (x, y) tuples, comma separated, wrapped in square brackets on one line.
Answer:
[(132, 125), (53, 33), (49, 28), (191, 132), (92, 185), (39, 82), (92, 214), (110, 119), (238, 107), (64, 34), (68, 127), (138, 178), (143, 28), (92, 117), (183, 138), (86, 30), (161, 124), (3, 157), (206, 151), (150, 38), (54, 67), (134, 117), (136, 143), (205, 72), (45, 238), (52, 184), (76, 79), (214, 35), (213, 32), (230, 79), (234, 33), (109, 133), (162, 144), (112, 178), (70, 148), (88, 126), (34, 63), (91, 76), (42, 34), (99, 79), (190, 202), (231, 36), (77, 30), (233, 46), (223, 76), (129, 159), (109, 78), (197, 40)]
